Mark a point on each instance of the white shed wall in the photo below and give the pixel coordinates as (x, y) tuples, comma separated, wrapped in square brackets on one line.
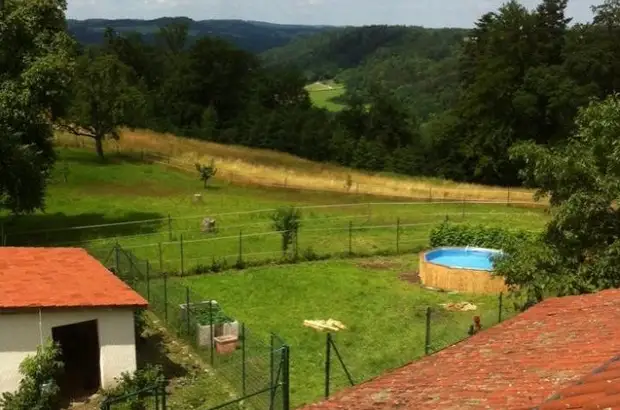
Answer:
[(21, 333)]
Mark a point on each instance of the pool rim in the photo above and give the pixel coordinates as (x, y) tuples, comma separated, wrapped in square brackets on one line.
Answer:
[(473, 248)]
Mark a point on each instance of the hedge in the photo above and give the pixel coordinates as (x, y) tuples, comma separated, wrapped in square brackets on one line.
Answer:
[(449, 234)]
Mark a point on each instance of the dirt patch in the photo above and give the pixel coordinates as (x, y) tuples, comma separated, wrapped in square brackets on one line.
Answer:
[(378, 264), (411, 277)]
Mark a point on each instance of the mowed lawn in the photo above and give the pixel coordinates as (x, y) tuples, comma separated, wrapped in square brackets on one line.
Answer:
[(152, 210), (384, 313), (96, 204)]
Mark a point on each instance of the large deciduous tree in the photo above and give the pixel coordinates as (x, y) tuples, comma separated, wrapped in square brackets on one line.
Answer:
[(36, 62), (580, 249), (104, 99)]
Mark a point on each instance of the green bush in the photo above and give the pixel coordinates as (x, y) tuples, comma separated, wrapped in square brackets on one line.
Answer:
[(38, 388), (136, 383), (448, 234), (287, 221)]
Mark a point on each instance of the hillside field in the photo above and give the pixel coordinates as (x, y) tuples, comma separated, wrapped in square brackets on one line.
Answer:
[(146, 206), (323, 93), (152, 209), (248, 166)]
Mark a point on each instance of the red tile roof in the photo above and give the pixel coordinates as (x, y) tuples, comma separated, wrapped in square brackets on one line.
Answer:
[(517, 364), (599, 390), (59, 277)]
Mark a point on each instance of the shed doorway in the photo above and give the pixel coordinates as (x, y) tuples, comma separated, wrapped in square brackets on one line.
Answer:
[(80, 354)]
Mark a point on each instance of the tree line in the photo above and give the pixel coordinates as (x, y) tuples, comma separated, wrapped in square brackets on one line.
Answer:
[(521, 76), (209, 89)]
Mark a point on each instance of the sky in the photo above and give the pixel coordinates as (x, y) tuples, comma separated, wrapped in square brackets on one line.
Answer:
[(428, 13)]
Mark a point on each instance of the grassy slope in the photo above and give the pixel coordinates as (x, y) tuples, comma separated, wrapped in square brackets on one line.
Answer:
[(371, 300), (122, 191), (268, 168), (385, 315)]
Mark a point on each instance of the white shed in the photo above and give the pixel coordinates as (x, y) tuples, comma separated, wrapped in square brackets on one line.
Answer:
[(68, 296)]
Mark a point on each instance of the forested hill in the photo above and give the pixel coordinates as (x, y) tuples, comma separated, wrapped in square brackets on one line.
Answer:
[(254, 36), (419, 65)]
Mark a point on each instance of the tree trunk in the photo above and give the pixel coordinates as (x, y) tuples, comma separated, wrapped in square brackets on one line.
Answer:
[(99, 147)]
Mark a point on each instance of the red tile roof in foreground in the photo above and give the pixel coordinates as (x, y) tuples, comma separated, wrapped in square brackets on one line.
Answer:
[(59, 277), (517, 364), (598, 390)]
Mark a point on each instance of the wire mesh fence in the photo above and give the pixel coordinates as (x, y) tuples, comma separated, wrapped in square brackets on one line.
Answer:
[(453, 322), (346, 364), (241, 239), (150, 398), (242, 364), (146, 235)]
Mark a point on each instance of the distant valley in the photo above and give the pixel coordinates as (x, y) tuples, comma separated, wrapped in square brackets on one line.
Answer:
[(254, 36)]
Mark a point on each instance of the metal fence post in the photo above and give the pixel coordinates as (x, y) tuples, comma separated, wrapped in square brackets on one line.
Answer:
[(286, 385), (272, 392), (243, 375), (328, 346), (398, 235), (463, 208), (427, 339), (117, 258), (182, 267), (187, 311), (430, 194), (148, 281), (211, 331), (350, 238), (501, 306), (508, 197), (163, 395), (296, 242), (165, 297), (169, 228), (161, 258)]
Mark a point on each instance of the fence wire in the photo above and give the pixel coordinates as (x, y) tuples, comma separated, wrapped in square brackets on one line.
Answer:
[(240, 363), (317, 239)]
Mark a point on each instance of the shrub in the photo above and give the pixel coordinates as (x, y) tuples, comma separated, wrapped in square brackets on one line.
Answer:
[(310, 255), (38, 388), (137, 383), (286, 220), (448, 234), (206, 172)]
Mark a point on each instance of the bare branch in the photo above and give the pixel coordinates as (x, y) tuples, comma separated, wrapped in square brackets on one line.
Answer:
[(81, 132)]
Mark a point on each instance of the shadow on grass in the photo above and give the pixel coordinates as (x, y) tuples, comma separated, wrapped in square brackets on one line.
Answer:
[(151, 350), (58, 228), (86, 157)]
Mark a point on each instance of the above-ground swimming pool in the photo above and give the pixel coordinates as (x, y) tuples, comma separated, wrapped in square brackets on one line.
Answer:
[(463, 258), (461, 269)]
